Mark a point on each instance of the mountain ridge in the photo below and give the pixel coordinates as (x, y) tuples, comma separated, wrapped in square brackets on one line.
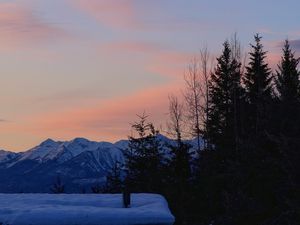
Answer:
[(80, 163)]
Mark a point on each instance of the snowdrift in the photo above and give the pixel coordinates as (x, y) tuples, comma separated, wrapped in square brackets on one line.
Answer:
[(83, 209)]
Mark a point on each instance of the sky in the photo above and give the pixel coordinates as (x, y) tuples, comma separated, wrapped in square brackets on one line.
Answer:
[(78, 68)]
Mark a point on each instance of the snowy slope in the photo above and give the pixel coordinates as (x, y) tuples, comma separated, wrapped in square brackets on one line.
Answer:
[(6, 156), (43, 152), (80, 163), (91, 209)]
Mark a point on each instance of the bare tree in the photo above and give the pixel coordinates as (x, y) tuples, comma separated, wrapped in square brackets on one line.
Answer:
[(192, 96), (176, 123), (237, 52), (206, 65), (196, 93)]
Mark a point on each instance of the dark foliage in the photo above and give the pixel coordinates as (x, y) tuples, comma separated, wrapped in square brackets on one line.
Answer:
[(251, 172), (114, 183), (225, 94), (258, 87), (288, 94), (144, 158), (97, 189), (58, 187)]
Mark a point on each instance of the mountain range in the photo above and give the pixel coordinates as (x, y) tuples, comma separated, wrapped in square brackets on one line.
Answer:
[(80, 163)]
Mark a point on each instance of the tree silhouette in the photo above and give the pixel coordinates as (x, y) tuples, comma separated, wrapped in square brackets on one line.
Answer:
[(258, 85), (58, 187), (144, 157), (225, 94), (113, 179)]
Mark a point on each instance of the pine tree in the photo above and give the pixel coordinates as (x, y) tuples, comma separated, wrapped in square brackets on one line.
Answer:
[(287, 79), (288, 93), (258, 86), (217, 167), (225, 94), (144, 158)]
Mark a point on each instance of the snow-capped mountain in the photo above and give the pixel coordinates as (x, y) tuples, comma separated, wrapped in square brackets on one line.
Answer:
[(6, 155), (79, 162)]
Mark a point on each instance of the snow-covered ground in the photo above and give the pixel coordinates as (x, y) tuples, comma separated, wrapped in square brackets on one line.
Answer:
[(83, 209)]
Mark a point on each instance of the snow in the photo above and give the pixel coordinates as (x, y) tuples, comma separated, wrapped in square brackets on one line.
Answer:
[(62, 151), (81, 209), (6, 155), (41, 152)]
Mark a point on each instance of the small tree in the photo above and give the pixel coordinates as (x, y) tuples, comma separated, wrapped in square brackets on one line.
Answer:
[(113, 179), (144, 158), (97, 188), (58, 187)]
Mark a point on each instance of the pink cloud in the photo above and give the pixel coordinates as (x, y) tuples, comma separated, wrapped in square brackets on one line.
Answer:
[(153, 57), (125, 47), (169, 63), (19, 26), (112, 13), (102, 120)]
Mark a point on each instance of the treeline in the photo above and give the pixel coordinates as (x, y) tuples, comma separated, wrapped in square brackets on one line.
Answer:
[(245, 121)]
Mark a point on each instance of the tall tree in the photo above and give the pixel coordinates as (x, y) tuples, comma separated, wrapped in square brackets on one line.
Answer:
[(287, 79), (288, 93), (224, 93), (196, 94), (258, 85), (193, 99)]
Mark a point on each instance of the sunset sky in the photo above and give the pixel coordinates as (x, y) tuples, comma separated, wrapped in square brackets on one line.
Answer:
[(85, 68)]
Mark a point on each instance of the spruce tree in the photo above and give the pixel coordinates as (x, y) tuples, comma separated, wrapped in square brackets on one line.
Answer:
[(144, 158), (217, 167), (287, 87), (258, 86), (287, 79), (225, 94)]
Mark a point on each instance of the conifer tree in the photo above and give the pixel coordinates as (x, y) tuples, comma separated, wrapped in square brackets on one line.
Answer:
[(288, 93), (287, 79), (258, 86), (144, 158), (224, 94)]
